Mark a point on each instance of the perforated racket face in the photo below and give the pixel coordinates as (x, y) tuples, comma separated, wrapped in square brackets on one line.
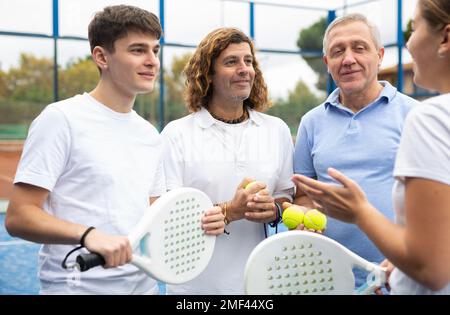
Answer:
[(178, 247), (297, 263)]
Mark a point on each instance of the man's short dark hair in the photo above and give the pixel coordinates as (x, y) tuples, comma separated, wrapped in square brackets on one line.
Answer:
[(114, 22)]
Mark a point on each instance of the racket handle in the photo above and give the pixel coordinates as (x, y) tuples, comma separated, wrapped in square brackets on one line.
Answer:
[(88, 261)]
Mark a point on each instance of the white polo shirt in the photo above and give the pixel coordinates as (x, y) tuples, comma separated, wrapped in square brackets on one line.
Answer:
[(207, 154)]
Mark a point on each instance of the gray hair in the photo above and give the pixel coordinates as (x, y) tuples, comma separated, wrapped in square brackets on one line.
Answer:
[(350, 18)]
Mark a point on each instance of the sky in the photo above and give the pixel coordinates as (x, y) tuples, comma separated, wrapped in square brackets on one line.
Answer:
[(188, 21)]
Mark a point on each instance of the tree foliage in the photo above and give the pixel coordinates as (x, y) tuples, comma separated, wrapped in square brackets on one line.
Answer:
[(299, 101), (31, 81), (407, 33), (175, 86), (79, 75), (311, 39), (27, 88), (2, 85)]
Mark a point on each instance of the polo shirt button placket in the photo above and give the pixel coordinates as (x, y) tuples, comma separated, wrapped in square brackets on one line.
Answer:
[(239, 167), (353, 127)]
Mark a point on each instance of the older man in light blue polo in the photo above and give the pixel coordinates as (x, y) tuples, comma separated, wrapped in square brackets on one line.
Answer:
[(356, 130)]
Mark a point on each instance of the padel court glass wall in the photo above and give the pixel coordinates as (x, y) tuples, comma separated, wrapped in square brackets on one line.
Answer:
[(44, 55)]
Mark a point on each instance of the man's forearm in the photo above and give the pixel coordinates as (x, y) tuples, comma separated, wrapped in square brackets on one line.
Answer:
[(34, 224)]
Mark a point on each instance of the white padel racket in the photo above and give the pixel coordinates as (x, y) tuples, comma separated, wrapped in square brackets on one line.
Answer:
[(173, 246), (300, 262)]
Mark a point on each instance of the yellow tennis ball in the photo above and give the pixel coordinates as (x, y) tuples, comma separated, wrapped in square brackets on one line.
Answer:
[(250, 184), (315, 220), (293, 217)]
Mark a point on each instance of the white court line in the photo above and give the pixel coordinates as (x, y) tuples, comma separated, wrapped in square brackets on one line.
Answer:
[(20, 242), (3, 205)]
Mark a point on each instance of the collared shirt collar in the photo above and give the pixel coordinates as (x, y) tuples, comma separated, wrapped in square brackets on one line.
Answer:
[(388, 93), (205, 120)]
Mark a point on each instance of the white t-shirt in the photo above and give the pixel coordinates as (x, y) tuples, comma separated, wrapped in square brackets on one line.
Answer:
[(100, 167), (215, 157), (424, 152)]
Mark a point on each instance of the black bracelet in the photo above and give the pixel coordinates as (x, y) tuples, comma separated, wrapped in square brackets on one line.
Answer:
[(63, 263), (85, 234), (277, 220)]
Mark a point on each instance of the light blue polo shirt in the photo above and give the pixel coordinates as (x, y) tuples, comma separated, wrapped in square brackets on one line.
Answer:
[(363, 146)]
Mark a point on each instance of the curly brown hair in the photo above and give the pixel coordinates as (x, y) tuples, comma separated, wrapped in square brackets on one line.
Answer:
[(200, 67)]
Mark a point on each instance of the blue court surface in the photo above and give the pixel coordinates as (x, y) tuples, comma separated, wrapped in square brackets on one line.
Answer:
[(18, 263)]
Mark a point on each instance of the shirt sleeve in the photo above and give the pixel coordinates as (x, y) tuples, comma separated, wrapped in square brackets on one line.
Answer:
[(284, 187), (303, 162), (173, 160), (424, 150), (46, 150)]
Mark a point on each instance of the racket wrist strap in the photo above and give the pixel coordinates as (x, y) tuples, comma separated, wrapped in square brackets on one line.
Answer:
[(82, 239)]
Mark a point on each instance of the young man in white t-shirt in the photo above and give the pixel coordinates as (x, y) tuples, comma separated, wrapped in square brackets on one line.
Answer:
[(92, 161)]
